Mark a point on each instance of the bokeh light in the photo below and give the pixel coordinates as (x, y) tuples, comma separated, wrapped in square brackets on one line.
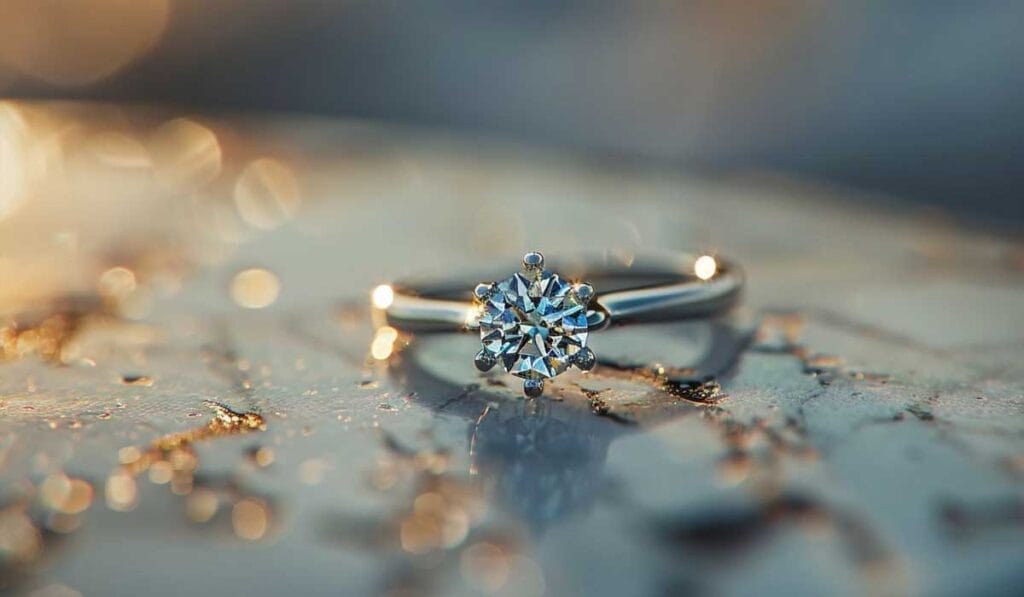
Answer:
[(705, 267), (267, 193), (383, 342), (117, 282), (255, 288), (186, 154), (77, 42), (250, 518), (383, 296), (121, 491)]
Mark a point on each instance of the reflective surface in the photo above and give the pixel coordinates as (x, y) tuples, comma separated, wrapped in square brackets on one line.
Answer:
[(196, 398)]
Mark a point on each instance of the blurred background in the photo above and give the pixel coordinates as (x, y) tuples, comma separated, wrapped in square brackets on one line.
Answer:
[(923, 101)]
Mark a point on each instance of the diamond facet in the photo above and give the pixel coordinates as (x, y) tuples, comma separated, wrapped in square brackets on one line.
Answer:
[(533, 324)]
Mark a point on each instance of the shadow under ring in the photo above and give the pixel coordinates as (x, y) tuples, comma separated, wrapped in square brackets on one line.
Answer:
[(544, 459)]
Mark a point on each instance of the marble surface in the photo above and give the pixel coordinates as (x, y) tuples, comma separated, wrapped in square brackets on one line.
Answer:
[(856, 427)]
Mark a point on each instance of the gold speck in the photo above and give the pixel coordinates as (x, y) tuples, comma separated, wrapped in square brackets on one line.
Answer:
[(47, 338), (172, 459), (228, 421)]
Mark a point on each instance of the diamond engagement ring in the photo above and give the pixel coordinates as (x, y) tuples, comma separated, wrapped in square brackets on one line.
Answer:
[(536, 323)]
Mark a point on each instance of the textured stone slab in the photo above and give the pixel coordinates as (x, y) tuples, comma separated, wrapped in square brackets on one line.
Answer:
[(858, 427)]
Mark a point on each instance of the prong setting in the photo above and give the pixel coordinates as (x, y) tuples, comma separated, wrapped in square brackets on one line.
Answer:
[(584, 293), (533, 264), (483, 291), (534, 324), (484, 360), (533, 388), (585, 359)]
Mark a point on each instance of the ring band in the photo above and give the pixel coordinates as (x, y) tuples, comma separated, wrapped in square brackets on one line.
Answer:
[(536, 323)]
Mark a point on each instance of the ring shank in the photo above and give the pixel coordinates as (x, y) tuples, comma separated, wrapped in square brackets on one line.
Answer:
[(648, 289)]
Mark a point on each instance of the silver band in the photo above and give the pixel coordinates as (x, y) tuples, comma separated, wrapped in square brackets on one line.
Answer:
[(646, 289)]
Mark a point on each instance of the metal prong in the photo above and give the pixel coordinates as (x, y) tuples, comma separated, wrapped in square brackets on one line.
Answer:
[(585, 359), (484, 360), (483, 291), (533, 388), (533, 263), (584, 293)]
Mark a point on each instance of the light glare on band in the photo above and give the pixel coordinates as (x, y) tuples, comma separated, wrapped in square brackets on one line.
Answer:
[(383, 296), (705, 267)]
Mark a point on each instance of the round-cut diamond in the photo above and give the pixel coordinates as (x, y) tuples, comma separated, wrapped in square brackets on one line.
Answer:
[(533, 323)]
